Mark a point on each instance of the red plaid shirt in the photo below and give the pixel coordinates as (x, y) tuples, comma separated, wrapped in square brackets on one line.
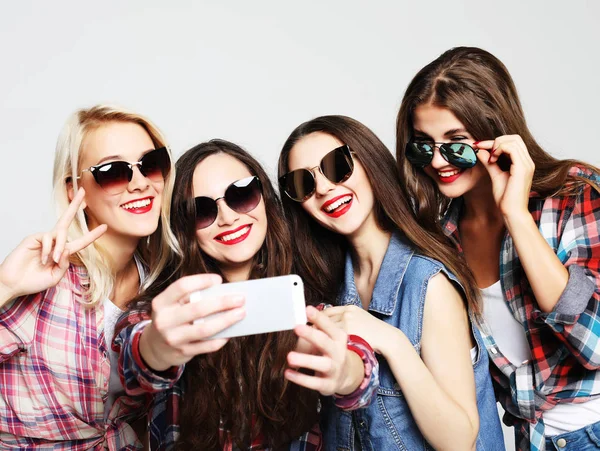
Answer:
[(565, 343), (54, 374)]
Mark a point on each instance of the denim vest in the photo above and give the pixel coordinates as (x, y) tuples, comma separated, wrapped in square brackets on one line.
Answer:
[(399, 300)]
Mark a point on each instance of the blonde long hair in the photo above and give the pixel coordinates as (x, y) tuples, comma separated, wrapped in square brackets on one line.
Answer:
[(155, 251)]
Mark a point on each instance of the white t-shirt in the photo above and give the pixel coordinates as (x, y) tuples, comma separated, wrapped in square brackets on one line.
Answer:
[(115, 388), (111, 316), (512, 342)]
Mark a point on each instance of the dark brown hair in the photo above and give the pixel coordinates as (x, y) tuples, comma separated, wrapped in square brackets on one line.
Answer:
[(320, 252), (241, 387), (477, 88)]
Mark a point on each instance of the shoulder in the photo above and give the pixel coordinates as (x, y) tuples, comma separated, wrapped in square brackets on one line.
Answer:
[(576, 205), (429, 268)]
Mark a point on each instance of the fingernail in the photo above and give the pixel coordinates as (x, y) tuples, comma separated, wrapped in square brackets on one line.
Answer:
[(44, 260), (310, 312), (476, 142), (492, 151)]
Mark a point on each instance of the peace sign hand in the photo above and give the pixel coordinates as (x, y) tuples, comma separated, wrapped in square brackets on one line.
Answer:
[(41, 260)]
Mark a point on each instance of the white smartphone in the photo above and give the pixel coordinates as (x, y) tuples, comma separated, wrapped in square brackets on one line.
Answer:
[(272, 304)]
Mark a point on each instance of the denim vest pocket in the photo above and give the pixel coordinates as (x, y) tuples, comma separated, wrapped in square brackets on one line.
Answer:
[(395, 415)]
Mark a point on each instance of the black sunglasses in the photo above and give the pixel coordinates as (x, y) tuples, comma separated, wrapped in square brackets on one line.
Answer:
[(241, 196), (337, 166), (114, 177), (461, 155)]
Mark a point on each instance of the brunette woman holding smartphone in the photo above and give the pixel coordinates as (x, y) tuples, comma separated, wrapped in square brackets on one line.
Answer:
[(233, 393)]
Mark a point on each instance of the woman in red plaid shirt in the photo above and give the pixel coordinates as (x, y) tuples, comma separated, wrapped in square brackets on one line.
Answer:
[(61, 291), (527, 226)]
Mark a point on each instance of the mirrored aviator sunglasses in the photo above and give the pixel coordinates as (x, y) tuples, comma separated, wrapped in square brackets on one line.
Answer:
[(337, 166), (242, 196), (461, 155), (113, 177)]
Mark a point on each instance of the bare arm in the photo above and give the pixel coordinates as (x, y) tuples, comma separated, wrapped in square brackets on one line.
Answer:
[(439, 385)]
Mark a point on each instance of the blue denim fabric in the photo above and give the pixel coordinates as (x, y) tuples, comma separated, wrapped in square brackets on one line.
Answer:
[(584, 439), (387, 423)]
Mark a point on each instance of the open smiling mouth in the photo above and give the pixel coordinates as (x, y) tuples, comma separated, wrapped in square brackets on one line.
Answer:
[(449, 176), (234, 236), (139, 206), (337, 206)]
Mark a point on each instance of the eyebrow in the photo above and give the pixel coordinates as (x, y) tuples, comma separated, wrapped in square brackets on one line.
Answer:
[(454, 131), (111, 157), (120, 157)]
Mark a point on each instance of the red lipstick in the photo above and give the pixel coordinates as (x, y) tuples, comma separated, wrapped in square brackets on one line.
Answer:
[(237, 240), (139, 210), (339, 211)]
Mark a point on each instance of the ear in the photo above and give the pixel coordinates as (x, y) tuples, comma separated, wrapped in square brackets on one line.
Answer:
[(71, 193), (70, 189)]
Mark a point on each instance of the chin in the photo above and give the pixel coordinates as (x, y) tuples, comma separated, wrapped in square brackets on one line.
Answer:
[(143, 232)]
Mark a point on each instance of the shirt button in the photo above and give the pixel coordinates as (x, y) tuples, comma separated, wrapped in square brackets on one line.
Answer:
[(561, 443)]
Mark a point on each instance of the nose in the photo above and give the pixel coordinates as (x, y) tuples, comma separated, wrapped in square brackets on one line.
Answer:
[(322, 183), (138, 181), (226, 216), (438, 161)]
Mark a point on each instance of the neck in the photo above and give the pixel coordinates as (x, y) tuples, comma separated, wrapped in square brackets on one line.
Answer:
[(479, 203), (237, 272), (121, 250), (369, 245)]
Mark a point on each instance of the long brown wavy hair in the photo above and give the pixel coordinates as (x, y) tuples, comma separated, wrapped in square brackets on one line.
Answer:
[(240, 388), (477, 88), (320, 253)]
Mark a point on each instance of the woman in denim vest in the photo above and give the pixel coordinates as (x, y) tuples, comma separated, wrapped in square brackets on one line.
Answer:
[(397, 286), (527, 225)]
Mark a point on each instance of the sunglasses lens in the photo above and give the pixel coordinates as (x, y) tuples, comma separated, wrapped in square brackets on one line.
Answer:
[(156, 164), (244, 195), (419, 154), (206, 212), (337, 165), (113, 177), (299, 184), (460, 155)]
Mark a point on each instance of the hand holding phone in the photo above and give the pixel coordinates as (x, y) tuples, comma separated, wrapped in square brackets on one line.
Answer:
[(172, 338), (272, 304)]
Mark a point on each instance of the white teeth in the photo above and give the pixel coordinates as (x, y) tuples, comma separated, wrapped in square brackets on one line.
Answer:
[(448, 173), (137, 204), (337, 203), (233, 236)]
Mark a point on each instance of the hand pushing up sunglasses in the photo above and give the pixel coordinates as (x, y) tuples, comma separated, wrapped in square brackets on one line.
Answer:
[(113, 177), (461, 155), (337, 167), (242, 196)]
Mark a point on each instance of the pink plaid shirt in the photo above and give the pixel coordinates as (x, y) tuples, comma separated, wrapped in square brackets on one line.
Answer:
[(54, 375)]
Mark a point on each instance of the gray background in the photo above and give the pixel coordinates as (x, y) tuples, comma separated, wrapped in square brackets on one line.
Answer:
[(252, 71)]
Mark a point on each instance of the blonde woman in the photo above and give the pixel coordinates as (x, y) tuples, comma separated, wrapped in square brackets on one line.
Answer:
[(62, 291)]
